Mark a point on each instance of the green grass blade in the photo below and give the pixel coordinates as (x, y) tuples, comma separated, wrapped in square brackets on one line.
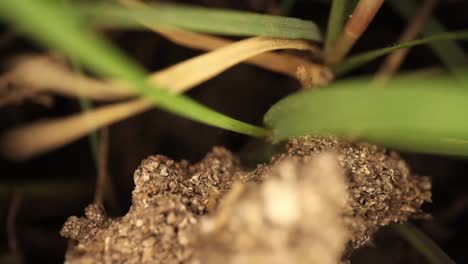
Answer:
[(335, 22), (86, 105), (423, 115), (420, 241), (363, 58), (449, 52), (56, 26), (201, 19)]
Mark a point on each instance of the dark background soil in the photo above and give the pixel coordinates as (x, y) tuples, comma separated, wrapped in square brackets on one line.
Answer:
[(243, 92)]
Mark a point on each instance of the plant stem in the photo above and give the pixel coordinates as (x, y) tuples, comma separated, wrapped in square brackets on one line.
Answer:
[(395, 59), (86, 105), (363, 58), (449, 52), (423, 244), (335, 22), (54, 26), (359, 21), (99, 149), (11, 229)]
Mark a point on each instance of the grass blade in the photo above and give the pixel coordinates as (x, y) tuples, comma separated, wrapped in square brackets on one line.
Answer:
[(28, 141), (36, 74), (282, 63), (335, 22), (425, 116), (56, 26), (201, 19), (449, 52), (42, 74), (363, 58), (357, 24), (393, 61), (32, 139), (420, 241), (181, 76)]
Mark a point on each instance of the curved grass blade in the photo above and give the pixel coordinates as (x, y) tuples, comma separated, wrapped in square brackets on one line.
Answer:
[(56, 26), (449, 52), (427, 116), (42, 74), (363, 58), (282, 63), (86, 105), (415, 25), (30, 140), (181, 76), (201, 19)]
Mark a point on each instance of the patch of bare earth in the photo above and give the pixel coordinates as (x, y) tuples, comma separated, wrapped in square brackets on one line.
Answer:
[(314, 203)]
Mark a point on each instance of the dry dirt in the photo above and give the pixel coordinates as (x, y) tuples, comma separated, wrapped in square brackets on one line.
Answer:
[(314, 203)]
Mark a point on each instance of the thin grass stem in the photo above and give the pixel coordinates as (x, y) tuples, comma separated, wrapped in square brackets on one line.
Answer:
[(335, 22), (422, 243), (357, 24)]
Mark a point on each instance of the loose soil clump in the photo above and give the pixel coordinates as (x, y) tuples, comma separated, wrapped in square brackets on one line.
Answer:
[(313, 203), (381, 188)]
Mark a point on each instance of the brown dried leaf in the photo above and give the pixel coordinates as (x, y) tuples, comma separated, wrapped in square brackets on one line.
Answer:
[(33, 139), (27, 141), (36, 74), (192, 72), (281, 63)]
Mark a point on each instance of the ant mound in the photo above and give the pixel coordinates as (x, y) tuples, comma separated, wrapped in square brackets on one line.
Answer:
[(314, 203)]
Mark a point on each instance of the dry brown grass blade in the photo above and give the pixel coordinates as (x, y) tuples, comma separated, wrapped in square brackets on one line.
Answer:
[(182, 76), (394, 60), (281, 63), (34, 139), (31, 140), (36, 74)]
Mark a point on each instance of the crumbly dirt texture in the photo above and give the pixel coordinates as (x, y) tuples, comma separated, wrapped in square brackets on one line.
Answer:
[(381, 188), (313, 203), (168, 199), (294, 216)]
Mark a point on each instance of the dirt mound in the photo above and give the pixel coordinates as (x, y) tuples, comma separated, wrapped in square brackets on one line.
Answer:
[(301, 208), (292, 217), (381, 188)]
